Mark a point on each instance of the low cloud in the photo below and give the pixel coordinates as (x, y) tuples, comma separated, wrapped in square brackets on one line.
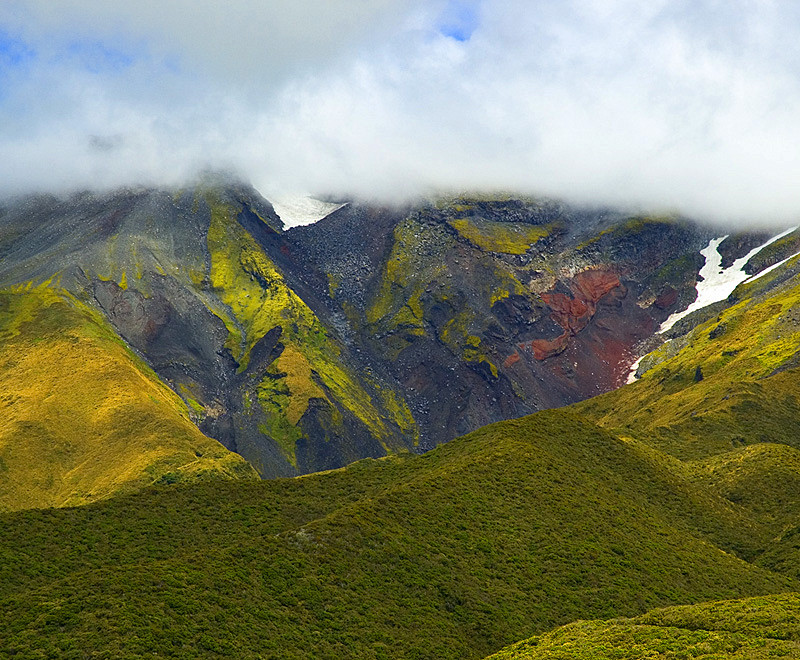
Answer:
[(673, 106)]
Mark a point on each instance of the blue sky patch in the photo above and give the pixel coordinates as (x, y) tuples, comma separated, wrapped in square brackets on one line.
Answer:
[(459, 19), (14, 52)]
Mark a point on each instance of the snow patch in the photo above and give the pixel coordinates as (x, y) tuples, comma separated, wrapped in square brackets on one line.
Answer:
[(718, 283), (634, 368), (301, 210)]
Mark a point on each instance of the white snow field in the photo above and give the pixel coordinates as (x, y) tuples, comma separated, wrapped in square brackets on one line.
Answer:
[(718, 283), (300, 210)]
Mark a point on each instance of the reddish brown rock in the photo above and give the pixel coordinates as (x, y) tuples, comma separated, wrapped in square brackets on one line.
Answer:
[(545, 348), (511, 359), (667, 299), (574, 314), (591, 285)]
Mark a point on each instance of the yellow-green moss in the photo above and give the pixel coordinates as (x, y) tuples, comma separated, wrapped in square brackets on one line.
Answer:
[(187, 395), (334, 282), (504, 237), (399, 411), (406, 275)]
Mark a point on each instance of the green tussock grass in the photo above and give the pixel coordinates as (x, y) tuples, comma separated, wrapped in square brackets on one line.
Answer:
[(764, 478), (81, 417), (491, 538)]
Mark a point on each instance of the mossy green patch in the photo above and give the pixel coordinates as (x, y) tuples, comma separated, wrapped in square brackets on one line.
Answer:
[(416, 260), (503, 237), (283, 394), (188, 396), (504, 285)]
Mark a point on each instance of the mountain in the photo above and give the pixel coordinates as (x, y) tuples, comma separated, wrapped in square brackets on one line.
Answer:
[(372, 331), (139, 327)]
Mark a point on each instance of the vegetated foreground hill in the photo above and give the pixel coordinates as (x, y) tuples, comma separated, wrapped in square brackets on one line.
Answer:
[(505, 533), (376, 329), (83, 418), (749, 629), (725, 399)]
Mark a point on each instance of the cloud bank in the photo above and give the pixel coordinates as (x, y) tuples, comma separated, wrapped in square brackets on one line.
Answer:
[(666, 105)]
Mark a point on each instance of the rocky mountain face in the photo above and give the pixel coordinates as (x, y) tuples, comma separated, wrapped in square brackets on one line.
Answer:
[(374, 330)]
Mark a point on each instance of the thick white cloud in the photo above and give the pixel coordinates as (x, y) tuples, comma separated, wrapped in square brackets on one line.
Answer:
[(689, 106)]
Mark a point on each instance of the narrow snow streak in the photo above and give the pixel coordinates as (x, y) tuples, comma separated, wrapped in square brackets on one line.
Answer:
[(299, 211), (634, 368), (718, 283)]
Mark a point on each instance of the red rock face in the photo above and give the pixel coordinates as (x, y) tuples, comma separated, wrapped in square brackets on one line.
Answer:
[(574, 314), (511, 359), (545, 348), (667, 299), (592, 285)]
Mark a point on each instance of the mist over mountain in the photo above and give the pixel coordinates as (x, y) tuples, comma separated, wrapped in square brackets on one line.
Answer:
[(595, 102)]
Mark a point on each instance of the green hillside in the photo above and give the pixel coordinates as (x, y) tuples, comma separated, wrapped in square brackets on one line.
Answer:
[(514, 529), (750, 629), (81, 417)]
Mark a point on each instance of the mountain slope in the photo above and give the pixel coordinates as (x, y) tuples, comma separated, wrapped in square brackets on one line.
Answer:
[(193, 281), (81, 417), (729, 382), (488, 309), (511, 530), (751, 629), (374, 330)]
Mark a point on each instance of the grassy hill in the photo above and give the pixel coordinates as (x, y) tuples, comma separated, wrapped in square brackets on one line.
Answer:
[(750, 629), (514, 529), (81, 417)]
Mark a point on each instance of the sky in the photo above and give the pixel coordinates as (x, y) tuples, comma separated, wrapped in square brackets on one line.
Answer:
[(665, 106)]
